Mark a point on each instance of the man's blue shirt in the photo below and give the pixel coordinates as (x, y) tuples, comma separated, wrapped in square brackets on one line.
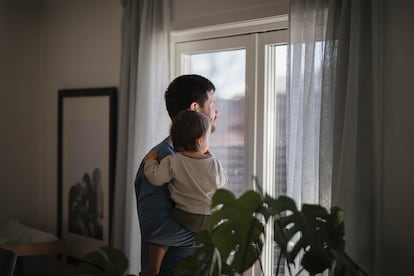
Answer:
[(157, 226)]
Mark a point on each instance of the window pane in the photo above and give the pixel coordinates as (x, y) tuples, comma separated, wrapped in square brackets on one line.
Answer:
[(278, 86), (226, 69)]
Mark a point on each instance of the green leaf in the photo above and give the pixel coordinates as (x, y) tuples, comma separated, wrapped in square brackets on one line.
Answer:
[(117, 259), (206, 261), (315, 232), (93, 262), (89, 268), (236, 230), (317, 259), (234, 240), (222, 196), (107, 261), (275, 207)]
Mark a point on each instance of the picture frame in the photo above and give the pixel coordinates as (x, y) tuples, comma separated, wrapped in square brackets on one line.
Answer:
[(86, 168)]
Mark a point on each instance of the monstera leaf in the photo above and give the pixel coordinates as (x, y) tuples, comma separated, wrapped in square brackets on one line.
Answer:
[(314, 232), (233, 243), (205, 261), (107, 261), (235, 239), (237, 227)]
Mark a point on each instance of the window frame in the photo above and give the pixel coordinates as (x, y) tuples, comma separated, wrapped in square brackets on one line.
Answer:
[(229, 43), (252, 35)]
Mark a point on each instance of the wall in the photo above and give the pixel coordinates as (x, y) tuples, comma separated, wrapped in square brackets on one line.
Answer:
[(48, 46), (20, 98), (398, 137), (82, 49), (199, 13)]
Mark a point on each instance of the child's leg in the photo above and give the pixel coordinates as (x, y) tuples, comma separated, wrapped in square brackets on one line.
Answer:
[(156, 254)]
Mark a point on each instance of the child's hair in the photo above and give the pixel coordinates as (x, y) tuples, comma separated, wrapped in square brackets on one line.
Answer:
[(186, 128)]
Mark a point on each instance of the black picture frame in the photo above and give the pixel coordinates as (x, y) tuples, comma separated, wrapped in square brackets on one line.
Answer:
[(86, 168)]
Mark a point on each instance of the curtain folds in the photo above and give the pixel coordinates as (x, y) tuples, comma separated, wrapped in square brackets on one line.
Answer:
[(307, 26), (334, 115), (142, 118)]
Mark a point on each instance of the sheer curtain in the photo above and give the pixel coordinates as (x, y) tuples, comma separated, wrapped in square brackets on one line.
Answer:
[(334, 115), (305, 61), (143, 119)]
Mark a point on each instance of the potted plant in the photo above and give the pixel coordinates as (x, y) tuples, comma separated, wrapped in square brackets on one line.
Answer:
[(234, 240)]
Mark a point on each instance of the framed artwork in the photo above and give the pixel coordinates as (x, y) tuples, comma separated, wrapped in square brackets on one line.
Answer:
[(86, 167)]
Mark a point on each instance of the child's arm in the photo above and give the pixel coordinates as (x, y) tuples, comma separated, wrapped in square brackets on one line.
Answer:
[(157, 173), (156, 255)]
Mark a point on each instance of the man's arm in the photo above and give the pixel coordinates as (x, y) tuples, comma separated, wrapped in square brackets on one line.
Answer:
[(156, 254)]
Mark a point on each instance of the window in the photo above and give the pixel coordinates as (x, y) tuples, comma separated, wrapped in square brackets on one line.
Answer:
[(249, 72), (223, 61)]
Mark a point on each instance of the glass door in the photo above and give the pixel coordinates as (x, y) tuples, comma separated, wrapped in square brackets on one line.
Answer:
[(249, 72)]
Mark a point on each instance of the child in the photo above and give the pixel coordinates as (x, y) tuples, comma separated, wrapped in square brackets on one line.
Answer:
[(194, 175)]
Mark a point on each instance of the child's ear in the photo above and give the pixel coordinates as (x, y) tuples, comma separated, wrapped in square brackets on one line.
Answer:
[(198, 141)]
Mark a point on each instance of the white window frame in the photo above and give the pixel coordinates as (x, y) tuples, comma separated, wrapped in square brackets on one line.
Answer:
[(253, 36), (231, 43)]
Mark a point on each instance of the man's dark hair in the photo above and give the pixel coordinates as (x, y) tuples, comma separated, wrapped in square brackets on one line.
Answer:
[(185, 90), (186, 128)]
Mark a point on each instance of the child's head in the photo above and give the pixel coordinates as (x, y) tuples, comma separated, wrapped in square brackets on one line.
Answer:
[(190, 131)]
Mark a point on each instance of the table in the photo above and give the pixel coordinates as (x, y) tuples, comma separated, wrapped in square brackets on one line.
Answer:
[(40, 248)]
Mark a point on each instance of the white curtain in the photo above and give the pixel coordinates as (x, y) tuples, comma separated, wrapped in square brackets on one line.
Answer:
[(334, 115), (142, 117), (305, 60)]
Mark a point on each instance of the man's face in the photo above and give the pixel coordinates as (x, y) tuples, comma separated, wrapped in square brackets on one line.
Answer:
[(209, 108)]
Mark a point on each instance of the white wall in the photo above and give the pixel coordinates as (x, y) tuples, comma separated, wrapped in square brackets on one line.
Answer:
[(60, 44)]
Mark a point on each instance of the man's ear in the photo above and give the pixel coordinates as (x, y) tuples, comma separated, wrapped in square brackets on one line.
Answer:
[(195, 106)]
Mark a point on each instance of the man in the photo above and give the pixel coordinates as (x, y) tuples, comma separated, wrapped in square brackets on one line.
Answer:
[(154, 203)]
